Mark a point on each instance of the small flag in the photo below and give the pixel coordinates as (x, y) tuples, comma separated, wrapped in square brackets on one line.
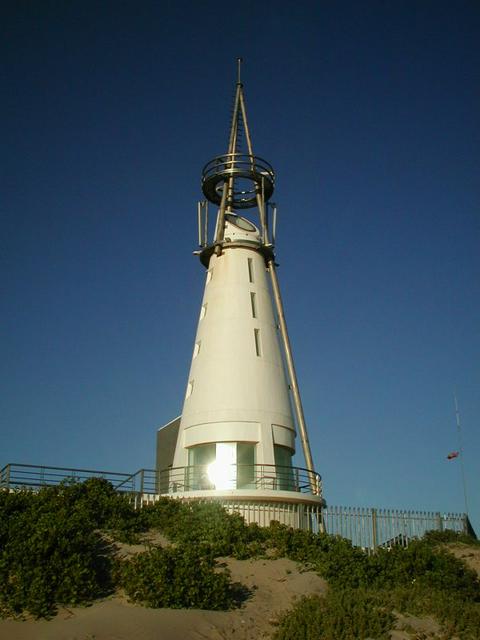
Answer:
[(453, 454)]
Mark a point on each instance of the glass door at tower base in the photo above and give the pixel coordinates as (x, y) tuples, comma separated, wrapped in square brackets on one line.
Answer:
[(283, 468), (221, 465), (199, 459), (246, 465), (223, 472)]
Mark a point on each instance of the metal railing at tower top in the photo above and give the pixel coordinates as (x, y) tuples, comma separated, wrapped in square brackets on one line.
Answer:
[(256, 173)]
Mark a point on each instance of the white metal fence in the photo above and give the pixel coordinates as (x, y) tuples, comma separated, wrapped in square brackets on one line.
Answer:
[(372, 528), (366, 527)]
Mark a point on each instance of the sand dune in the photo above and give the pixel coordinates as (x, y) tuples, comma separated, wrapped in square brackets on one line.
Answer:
[(273, 583)]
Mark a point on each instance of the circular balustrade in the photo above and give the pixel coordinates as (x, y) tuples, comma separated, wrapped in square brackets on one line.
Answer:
[(251, 176)]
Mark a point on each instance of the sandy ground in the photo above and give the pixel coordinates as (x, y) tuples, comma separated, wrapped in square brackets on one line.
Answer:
[(470, 555), (274, 586)]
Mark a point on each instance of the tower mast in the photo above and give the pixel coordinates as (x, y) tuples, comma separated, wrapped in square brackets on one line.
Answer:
[(237, 165), (460, 447)]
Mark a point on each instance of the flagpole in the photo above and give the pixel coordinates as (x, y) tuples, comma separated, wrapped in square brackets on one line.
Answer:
[(460, 448)]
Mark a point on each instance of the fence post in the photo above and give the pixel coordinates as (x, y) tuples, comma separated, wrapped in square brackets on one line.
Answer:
[(467, 527), (374, 529), (142, 480), (321, 522), (7, 476), (439, 521)]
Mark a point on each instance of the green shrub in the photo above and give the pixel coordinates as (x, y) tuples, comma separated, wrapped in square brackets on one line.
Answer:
[(162, 515), (49, 557), (458, 617), (206, 524), (448, 536), (333, 557), (175, 577), (50, 549), (97, 502), (420, 579), (425, 566), (344, 614)]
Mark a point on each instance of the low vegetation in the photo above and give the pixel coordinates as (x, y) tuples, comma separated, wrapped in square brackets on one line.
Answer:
[(50, 551), (341, 615), (176, 577), (206, 525), (54, 551), (422, 579)]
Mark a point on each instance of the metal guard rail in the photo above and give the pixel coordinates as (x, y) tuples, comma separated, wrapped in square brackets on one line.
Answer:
[(257, 477), (168, 481), (15, 475), (257, 173)]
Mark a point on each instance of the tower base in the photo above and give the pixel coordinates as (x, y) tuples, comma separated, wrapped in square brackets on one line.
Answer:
[(299, 514), (296, 515)]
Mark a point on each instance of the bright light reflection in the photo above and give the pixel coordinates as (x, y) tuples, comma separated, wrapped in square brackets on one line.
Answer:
[(222, 472)]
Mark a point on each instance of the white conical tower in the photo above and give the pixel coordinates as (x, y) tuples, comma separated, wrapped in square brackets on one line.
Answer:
[(236, 436), (237, 390)]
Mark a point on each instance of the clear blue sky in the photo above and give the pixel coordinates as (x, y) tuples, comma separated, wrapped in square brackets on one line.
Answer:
[(369, 114)]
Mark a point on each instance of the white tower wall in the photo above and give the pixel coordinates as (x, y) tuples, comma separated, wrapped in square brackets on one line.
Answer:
[(237, 389)]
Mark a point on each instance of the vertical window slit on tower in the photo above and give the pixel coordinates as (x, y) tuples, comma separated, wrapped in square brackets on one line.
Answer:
[(209, 275), (253, 302), (196, 349), (258, 347), (203, 311), (189, 389), (250, 269)]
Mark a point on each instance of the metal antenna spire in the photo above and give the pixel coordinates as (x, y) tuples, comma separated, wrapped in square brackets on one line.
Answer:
[(239, 69), (460, 448), (238, 180)]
